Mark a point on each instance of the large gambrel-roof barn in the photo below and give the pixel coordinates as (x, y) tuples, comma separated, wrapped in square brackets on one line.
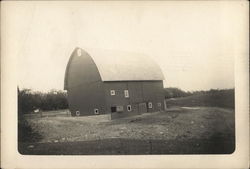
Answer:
[(113, 82)]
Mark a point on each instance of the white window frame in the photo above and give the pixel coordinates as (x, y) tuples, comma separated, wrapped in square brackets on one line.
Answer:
[(129, 108), (96, 111), (150, 105), (112, 92), (126, 94), (78, 113), (119, 109)]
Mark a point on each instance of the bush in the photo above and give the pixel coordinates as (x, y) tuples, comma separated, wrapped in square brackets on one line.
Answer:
[(26, 133)]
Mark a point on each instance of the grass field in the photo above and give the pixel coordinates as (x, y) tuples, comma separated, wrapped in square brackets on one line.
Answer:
[(179, 130), (210, 99)]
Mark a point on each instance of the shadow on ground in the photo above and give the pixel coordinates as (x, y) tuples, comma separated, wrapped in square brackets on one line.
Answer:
[(217, 144)]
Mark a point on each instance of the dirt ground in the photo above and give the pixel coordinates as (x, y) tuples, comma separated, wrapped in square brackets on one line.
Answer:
[(179, 130)]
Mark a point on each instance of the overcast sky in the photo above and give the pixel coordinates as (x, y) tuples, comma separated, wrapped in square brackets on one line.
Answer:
[(193, 42)]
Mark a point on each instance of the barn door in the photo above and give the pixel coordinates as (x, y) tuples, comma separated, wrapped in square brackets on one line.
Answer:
[(142, 108)]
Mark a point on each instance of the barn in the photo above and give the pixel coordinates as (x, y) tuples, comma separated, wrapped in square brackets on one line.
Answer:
[(112, 82)]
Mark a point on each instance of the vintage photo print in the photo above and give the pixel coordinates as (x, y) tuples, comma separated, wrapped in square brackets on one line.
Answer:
[(140, 81)]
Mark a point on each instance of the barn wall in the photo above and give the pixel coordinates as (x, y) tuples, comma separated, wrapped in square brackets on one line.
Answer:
[(140, 93), (118, 99), (84, 86), (153, 92)]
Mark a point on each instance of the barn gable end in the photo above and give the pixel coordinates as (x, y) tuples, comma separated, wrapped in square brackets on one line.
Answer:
[(84, 85)]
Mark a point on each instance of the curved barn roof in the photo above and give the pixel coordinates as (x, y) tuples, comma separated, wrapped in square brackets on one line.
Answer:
[(123, 66)]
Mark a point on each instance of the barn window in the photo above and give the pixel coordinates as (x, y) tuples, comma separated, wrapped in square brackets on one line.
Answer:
[(129, 108), (150, 105), (77, 113), (112, 92), (159, 104), (113, 109), (119, 108), (126, 93), (79, 52), (96, 111)]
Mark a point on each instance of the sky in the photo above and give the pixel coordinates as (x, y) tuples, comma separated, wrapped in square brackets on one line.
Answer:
[(194, 43)]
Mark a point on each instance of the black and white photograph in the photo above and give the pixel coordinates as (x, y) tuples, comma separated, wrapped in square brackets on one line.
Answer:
[(125, 78)]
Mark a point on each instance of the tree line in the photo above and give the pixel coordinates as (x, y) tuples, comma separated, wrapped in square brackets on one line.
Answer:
[(29, 101), (173, 92), (211, 98)]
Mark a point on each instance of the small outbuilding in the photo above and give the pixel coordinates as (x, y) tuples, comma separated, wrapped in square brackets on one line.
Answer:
[(112, 82)]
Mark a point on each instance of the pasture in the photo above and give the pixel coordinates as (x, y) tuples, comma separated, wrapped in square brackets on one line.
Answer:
[(179, 130)]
